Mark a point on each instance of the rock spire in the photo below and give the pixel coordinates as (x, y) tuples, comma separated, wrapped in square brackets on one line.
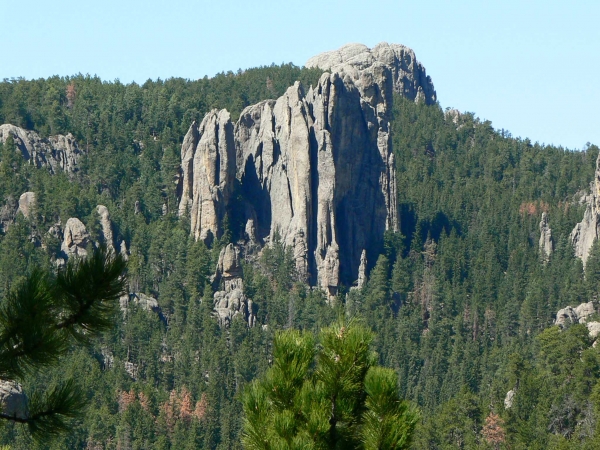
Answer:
[(314, 168)]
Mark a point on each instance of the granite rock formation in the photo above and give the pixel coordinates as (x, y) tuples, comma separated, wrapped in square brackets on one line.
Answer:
[(408, 75), (106, 226), (580, 314), (230, 301), (56, 153), (586, 232), (26, 203), (75, 238), (545, 243), (208, 171), (315, 167), (570, 315), (509, 399), (146, 302)]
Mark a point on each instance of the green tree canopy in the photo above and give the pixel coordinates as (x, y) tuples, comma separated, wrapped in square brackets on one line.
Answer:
[(330, 395)]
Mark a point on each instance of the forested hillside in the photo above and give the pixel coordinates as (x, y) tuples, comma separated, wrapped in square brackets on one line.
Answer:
[(461, 301)]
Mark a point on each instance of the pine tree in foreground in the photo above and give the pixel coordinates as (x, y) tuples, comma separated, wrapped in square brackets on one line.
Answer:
[(326, 396), (40, 321)]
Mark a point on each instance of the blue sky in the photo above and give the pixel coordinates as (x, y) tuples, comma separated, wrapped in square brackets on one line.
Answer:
[(531, 67)]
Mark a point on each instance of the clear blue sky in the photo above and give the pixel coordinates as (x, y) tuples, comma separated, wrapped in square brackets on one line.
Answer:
[(531, 67)]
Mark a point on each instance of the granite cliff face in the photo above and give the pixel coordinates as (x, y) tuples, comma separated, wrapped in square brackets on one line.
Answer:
[(208, 171), (314, 167), (586, 232), (57, 153)]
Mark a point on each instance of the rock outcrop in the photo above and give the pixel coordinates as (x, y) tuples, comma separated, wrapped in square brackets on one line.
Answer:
[(570, 315), (13, 401), (580, 314), (230, 301), (208, 172), (545, 243), (586, 232), (26, 203), (146, 302), (315, 167), (408, 75), (106, 226), (57, 153), (509, 399), (75, 238)]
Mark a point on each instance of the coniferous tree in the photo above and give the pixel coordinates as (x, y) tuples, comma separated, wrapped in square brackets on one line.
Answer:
[(331, 396), (40, 321)]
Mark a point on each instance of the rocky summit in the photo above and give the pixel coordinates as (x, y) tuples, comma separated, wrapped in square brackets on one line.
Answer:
[(314, 167)]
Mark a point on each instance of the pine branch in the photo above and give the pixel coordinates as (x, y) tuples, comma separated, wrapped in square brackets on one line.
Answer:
[(89, 290)]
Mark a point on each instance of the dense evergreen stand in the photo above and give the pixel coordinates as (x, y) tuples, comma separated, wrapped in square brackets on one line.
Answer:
[(460, 303)]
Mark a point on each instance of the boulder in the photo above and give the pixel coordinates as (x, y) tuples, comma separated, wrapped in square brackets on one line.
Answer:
[(570, 315), (75, 238), (26, 204), (13, 402), (146, 302), (593, 329)]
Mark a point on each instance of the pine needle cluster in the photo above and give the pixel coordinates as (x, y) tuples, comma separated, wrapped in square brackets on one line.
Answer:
[(329, 395), (43, 317)]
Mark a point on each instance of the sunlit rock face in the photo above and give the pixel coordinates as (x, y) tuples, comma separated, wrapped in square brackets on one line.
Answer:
[(314, 167), (586, 232), (57, 153)]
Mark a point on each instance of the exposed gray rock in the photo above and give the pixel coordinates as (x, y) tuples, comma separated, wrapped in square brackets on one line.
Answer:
[(408, 75), (565, 317), (229, 305), (146, 302), (26, 203), (208, 169), (584, 310), (106, 225), (231, 300), (545, 243), (315, 167), (75, 238), (13, 402), (123, 250), (586, 232), (593, 329), (453, 115), (509, 399), (132, 369), (362, 270), (570, 315), (57, 153)]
